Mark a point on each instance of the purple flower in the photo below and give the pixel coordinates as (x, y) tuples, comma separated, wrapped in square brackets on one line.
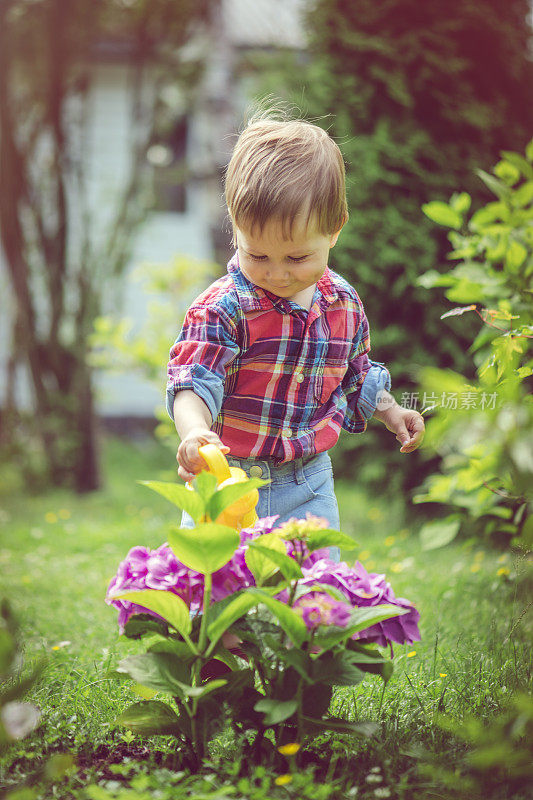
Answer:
[(362, 589), (161, 569), (319, 608)]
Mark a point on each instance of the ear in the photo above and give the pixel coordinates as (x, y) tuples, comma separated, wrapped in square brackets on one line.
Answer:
[(335, 236)]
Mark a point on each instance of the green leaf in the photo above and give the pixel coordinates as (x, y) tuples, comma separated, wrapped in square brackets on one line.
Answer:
[(263, 568), (439, 533), (461, 202), (342, 726), (206, 485), (442, 214), (515, 256), (432, 278), (291, 622), (333, 591), (329, 538), (179, 649), (365, 654), (337, 670), (205, 548), (237, 608), (370, 660), (160, 671), (140, 624), (360, 620), (201, 691), (276, 711), (496, 187), (7, 652), (180, 496), (225, 497), (488, 214), (150, 718), (507, 172), (294, 657), (529, 150), (167, 604), (288, 567), (519, 162)]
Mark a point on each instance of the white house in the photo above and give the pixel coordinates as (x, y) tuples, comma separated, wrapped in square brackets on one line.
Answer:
[(189, 214)]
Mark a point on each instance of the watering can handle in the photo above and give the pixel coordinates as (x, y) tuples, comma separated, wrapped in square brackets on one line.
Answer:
[(216, 461)]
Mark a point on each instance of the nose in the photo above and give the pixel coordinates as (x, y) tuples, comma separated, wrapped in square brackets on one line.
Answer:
[(278, 273)]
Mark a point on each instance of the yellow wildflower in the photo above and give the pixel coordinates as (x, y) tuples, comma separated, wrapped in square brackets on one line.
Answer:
[(50, 517), (411, 654), (504, 571), (390, 540), (64, 513), (282, 780), (443, 674), (289, 749), (375, 514), (364, 554), (475, 568)]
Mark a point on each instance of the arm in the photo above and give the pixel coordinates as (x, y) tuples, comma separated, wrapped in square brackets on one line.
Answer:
[(193, 423), (197, 368), (365, 380), (406, 423)]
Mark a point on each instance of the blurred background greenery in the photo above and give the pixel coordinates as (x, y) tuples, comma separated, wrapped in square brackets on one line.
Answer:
[(115, 128), (116, 120)]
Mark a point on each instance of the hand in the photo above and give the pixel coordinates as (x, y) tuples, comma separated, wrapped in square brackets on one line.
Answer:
[(189, 460), (407, 424)]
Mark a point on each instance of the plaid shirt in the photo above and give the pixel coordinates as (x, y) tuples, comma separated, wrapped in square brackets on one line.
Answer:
[(280, 382)]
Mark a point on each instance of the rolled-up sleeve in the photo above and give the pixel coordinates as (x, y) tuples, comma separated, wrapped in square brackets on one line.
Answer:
[(200, 356), (364, 381)]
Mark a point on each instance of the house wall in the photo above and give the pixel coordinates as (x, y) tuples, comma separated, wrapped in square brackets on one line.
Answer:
[(216, 115)]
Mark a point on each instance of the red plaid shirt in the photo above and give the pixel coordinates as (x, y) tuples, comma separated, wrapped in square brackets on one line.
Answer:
[(280, 382)]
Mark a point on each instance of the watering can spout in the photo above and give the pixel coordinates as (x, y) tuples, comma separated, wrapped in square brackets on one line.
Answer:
[(242, 513)]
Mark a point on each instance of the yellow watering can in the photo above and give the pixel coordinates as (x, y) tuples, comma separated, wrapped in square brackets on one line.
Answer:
[(240, 514)]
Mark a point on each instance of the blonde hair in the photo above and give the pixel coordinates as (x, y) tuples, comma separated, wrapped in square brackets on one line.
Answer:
[(280, 168)]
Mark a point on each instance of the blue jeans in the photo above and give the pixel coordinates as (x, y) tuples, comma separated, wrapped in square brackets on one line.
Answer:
[(297, 487)]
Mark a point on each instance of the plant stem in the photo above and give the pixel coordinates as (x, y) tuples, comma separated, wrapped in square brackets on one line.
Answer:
[(198, 744), (208, 582)]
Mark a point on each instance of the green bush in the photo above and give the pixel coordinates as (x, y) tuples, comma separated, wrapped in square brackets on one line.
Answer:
[(483, 428)]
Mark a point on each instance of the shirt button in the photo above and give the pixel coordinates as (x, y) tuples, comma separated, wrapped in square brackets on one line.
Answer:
[(256, 471), (299, 377), (287, 432)]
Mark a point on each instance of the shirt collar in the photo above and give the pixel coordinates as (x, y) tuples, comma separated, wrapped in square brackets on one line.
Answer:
[(253, 298)]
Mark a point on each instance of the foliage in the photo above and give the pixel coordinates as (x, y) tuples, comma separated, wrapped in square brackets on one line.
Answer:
[(310, 631), (487, 440), (124, 345), (472, 628), (498, 761), (417, 95), (17, 719), (62, 252)]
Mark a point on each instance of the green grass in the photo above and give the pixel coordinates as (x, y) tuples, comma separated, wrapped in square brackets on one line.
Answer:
[(58, 553)]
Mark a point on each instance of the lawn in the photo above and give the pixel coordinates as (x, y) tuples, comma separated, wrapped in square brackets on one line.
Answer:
[(57, 555)]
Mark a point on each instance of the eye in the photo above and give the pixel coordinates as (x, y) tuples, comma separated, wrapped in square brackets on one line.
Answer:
[(297, 259), (257, 258)]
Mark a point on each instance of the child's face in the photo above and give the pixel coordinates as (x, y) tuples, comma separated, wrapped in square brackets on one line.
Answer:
[(284, 267)]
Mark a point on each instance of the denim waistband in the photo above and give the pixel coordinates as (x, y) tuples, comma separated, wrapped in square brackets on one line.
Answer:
[(282, 472)]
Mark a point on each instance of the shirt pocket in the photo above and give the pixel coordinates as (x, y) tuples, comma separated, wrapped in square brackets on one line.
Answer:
[(328, 382)]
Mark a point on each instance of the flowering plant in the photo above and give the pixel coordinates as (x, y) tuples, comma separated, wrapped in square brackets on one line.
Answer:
[(304, 623)]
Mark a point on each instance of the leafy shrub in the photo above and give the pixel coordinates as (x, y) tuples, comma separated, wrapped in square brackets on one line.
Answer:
[(314, 625), (484, 429)]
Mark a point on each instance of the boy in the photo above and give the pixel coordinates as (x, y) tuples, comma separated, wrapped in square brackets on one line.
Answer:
[(272, 358)]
